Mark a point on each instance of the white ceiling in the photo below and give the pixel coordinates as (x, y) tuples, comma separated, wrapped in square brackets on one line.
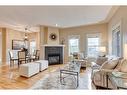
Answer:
[(20, 17)]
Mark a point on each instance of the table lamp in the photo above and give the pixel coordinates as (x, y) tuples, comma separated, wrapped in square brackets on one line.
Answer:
[(125, 51), (102, 51)]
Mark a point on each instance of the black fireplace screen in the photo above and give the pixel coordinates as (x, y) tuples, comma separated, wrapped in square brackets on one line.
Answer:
[(54, 58)]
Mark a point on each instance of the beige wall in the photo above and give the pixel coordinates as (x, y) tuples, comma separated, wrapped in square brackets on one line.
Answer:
[(83, 31), (50, 31), (119, 17), (45, 35), (43, 40), (4, 47), (47, 31), (35, 36), (3, 31), (13, 35), (18, 35)]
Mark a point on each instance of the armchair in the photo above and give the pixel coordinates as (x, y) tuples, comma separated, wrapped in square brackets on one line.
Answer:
[(79, 57)]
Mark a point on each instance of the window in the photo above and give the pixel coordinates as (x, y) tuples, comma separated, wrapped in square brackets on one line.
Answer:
[(32, 46), (116, 42), (93, 44), (73, 44)]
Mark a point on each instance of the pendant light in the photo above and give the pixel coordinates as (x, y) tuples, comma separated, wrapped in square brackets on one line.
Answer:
[(26, 36)]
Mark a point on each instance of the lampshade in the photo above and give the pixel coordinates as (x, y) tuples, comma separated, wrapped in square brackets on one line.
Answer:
[(26, 37), (125, 51), (102, 49)]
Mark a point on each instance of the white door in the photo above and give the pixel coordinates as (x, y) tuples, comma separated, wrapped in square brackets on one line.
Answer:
[(0, 47)]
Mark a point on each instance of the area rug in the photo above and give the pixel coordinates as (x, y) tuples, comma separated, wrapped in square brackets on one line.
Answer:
[(52, 81)]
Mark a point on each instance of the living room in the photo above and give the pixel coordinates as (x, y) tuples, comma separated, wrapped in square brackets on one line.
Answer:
[(59, 49)]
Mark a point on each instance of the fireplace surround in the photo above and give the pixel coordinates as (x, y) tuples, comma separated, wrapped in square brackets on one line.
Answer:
[(54, 54)]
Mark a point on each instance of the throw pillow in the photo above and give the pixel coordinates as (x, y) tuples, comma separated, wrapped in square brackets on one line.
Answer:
[(101, 60), (124, 66), (118, 67), (103, 65), (111, 64)]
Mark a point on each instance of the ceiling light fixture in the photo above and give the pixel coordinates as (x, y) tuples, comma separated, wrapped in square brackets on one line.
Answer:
[(26, 36)]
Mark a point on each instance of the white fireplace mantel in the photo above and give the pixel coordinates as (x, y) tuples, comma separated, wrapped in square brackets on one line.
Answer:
[(53, 45)]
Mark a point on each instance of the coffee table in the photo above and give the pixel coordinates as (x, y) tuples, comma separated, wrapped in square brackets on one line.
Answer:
[(70, 69)]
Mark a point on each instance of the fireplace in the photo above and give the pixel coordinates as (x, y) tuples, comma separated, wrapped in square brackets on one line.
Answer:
[(54, 58), (54, 54)]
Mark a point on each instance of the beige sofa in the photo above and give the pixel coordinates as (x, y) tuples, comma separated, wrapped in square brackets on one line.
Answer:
[(99, 75)]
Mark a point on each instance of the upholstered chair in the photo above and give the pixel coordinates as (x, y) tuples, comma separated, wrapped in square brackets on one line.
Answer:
[(22, 57), (12, 58)]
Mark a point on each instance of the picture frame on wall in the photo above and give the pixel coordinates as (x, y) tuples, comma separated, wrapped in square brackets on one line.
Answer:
[(18, 44)]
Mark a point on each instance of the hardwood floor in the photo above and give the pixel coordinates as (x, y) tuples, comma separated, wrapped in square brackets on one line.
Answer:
[(10, 79)]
